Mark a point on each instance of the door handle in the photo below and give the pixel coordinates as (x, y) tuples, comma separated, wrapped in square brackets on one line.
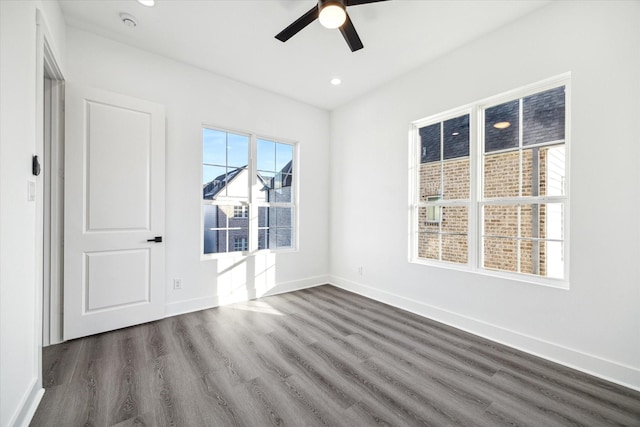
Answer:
[(157, 239)]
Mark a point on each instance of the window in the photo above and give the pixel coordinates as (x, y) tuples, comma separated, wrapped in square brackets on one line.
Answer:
[(241, 212), (444, 190), (490, 186), (240, 244), (247, 205), (275, 200)]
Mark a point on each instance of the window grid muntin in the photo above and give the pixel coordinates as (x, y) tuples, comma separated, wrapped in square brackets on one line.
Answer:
[(476, 152)]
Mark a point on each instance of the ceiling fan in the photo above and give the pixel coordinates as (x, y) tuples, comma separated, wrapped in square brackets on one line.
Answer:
[(332, 14)]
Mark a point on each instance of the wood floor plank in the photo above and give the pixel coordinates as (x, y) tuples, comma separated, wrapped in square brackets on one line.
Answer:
[(175, 392), (574, 411), (144, 420), (381, 392), (59, 362), (306, 364), (584, 385), (315, 357), (317, 408), (234, 351)]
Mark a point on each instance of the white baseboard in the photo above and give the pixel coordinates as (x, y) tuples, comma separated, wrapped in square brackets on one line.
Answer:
[(189, 306), (28, 405), (609, 370), (296, 285), (203, 303)]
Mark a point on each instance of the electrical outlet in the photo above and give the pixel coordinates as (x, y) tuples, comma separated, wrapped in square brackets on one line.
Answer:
[(177, 283)]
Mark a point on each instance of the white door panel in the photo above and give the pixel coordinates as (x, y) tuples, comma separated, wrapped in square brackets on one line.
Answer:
[(114, 203), (127, 145), (116, 279)]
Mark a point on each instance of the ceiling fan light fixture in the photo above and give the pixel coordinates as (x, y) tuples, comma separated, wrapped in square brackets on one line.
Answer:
[(332, 14)]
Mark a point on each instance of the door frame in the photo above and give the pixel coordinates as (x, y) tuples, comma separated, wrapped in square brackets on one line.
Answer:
[(49, 187)]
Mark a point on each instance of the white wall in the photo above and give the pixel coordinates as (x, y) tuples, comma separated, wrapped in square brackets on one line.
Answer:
[(20, 379), (193, 97), (595, 325)]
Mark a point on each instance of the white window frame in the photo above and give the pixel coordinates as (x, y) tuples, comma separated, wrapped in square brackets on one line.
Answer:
[(476, 200), (440, 203), (294, 196), (251, 203)]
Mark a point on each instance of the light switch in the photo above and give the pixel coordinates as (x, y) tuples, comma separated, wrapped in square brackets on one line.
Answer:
[(31, 191)]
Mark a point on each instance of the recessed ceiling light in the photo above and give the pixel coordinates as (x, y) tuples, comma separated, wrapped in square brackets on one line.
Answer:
[(455, 134), (336, 81), (147, 3), (502, 125)]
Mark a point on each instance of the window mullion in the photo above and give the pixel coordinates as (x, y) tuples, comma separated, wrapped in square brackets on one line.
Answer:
[(441, 189), (253, 197), (520, 183), (476, 138)]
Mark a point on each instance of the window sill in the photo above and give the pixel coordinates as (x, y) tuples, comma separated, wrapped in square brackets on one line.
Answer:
[(516, 277), (224, 255)]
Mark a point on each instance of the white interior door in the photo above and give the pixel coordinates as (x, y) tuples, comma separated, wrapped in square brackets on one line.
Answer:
[(114, 204)]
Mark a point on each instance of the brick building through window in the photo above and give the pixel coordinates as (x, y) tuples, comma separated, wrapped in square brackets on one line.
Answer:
[(505, 206)]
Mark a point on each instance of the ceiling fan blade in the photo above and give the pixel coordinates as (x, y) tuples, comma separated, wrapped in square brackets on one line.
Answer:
[(357, 2), (350, 35), (299, 24)]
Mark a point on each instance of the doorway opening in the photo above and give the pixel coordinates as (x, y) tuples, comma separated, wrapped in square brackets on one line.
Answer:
[(50, 190)]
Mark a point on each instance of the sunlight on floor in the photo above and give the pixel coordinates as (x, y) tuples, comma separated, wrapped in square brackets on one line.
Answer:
[(256, 306)]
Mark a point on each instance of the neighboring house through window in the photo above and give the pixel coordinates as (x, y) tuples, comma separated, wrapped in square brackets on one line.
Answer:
[(240, 244), (234, 186), (490, 185), (241, 211)]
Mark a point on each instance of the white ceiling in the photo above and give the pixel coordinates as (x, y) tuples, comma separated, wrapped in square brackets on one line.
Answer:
[(235, 38)]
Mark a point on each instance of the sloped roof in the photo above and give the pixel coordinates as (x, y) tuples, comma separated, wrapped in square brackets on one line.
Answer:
[(211, 189), (285, 175)]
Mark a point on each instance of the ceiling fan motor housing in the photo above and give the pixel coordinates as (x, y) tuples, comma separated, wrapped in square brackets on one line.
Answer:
[(339, 20), (323, 3)]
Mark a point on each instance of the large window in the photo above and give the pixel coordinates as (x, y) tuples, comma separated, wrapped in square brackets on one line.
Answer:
[(491, 186), (248, 198)]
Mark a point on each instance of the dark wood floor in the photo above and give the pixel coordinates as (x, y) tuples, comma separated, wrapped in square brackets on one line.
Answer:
[(321, 356)]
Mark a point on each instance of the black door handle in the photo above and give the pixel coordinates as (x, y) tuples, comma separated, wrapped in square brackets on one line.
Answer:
[(157, 239)]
